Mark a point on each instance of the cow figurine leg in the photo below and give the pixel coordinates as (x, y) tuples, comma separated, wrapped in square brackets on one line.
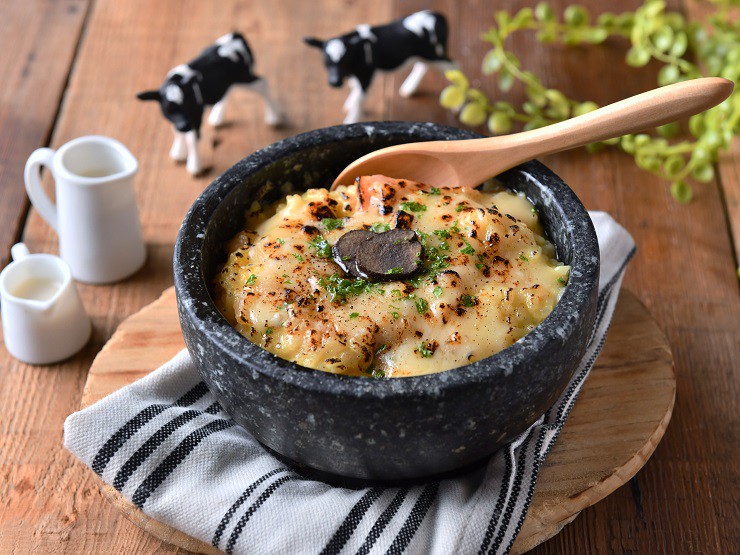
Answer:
[(273, 114), (193, 163), (179, 150), (216, 117), (420, 38)]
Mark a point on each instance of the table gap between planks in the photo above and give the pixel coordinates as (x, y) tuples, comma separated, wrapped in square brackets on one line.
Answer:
[(683, 500)]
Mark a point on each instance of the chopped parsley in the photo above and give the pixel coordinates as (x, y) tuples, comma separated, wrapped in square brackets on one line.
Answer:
[(524, 258), (251, 280), (454, 227), (424, 351), (442, 233), (460, 207), (480, 266), (396, 270), (380, 349), (434, 191), (298, 257), (354, 315), (339, 288), (395, 315), (380, 227), (468, 300), (332, 223), (562, 281), (323, 248), (268, 331), (421, 305), (375, 373), (468, 249), (437, 291), (413, 207)]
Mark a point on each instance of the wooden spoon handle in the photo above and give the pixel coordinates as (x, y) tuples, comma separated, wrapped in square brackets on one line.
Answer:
[(637, 113)]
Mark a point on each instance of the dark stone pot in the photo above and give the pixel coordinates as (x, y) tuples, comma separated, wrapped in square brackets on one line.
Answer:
[(365, 428)]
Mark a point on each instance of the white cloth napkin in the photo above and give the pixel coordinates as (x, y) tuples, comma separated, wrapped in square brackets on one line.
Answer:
[(166, 444)]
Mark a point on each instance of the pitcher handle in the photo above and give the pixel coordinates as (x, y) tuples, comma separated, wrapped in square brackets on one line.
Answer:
[(39, 198)]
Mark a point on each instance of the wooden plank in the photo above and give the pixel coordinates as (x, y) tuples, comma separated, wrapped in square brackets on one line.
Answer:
[(684, 271), (38, 42), (48, 501)]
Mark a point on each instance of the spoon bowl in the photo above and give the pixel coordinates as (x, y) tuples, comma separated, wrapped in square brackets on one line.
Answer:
[(469, 163)]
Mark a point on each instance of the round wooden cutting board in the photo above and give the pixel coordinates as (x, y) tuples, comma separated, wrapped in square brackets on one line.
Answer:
[(616, 424)]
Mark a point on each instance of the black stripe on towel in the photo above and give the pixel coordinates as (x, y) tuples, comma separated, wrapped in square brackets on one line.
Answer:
[(125, 432), (383, 521), (253, 509), (346, 529), (238, 503), (151, 444), (423, 503), (171, 462), (499, 503)]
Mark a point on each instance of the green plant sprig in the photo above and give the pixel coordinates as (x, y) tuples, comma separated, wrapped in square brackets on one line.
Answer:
[(654, 34)]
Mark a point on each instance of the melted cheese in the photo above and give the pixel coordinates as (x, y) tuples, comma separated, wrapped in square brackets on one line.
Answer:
[(501, 279)]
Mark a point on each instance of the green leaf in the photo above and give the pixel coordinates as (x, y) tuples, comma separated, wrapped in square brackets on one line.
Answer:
[(544, 12), (473, 114), (680, 43), (584, 108), (637, 56), (537, 95), (663, 38), (477, 96), (505, 80), (558, 102), (491, 63), (499, 123), (681, 191), (668, 75), (452, 97), (703, 172), (674, 165), (696, 125), (457, 77), (522, 18), (576, 15), (669, 130)]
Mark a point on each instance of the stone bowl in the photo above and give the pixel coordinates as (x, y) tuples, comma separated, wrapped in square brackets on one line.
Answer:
[(366, 429)]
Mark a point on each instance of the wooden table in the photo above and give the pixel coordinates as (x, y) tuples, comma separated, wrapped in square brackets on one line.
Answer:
[(72, 67)]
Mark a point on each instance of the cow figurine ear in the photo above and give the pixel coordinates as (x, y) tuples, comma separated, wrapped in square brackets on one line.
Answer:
[(149, 95), (312, 41)]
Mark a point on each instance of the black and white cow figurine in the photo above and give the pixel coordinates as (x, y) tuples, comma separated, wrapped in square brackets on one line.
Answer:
[(420, 38), (205, 81)]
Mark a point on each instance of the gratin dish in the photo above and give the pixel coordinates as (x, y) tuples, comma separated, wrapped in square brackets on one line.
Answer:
[(378, 429)]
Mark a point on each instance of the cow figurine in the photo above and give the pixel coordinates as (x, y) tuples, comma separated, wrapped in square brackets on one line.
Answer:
[(420, 38), (205, 81)]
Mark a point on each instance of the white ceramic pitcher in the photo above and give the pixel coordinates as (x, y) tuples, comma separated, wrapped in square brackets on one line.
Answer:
[(95, 213), (43, 318)]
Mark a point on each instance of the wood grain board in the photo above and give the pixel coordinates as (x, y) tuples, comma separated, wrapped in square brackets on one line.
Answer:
[(684, 271), (616, 424)]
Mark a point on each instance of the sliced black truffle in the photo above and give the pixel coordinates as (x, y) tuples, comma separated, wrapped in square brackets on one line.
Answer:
[(345, 250), (392, 255), (403, 220)]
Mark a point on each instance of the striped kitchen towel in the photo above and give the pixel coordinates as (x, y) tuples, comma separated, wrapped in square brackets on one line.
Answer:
[(165, 444)]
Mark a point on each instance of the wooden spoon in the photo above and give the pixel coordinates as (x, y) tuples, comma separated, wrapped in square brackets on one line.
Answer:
[(470, 163)]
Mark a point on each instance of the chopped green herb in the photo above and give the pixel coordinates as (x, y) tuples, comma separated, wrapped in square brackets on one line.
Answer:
[(268, 331), (479, 266), (421, 305), (377, 373), (251, 280), (340, 288), (413, 207), (460, 207), (468, 300), (396, 270), (424, 351), (522, 257), (380, 227), (562, 281), (395, 315), (437, 291), (286, 281), (332, 223), (354, 315), (454, 227), (443, 246), (281, 241), (434, 191), (380, 349), (298, 257), (533, 210), (468, 249), (442, 233), (323, 248)]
